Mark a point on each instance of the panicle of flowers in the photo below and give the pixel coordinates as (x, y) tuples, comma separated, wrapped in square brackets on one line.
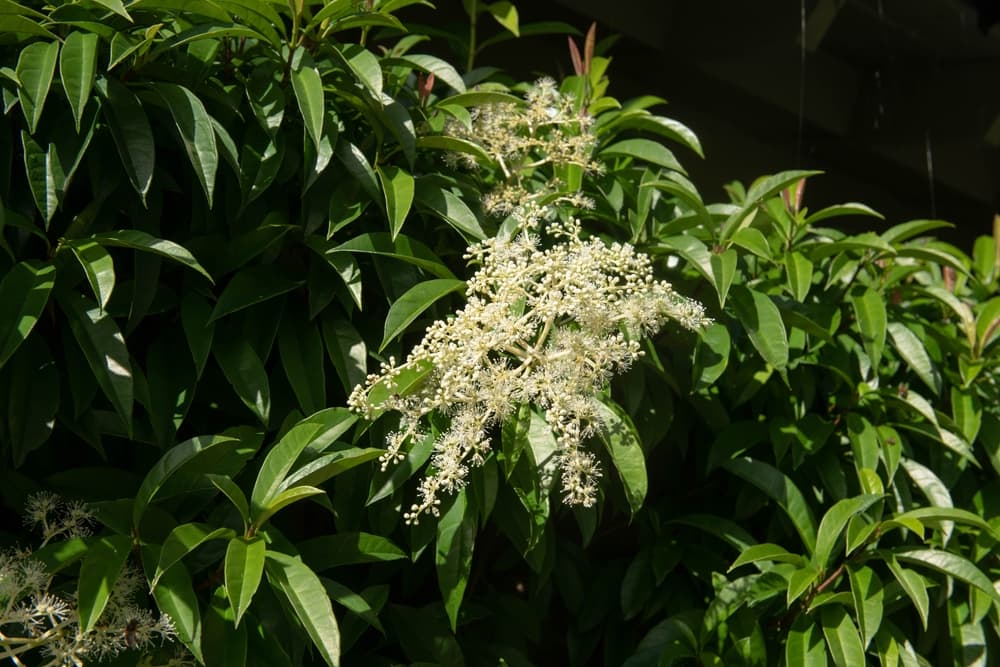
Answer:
[(38, 623), (546, 130), (543, 326)]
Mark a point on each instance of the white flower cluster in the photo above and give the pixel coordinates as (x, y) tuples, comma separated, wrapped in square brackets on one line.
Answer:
[(38, 623), (546, 130), (544, 326)]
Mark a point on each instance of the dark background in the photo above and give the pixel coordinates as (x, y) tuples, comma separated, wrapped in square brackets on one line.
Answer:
[(898, 101)]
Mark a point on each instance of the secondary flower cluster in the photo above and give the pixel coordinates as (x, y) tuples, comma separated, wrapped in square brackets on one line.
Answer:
[(544, 326), (34, 619), (521, 139)]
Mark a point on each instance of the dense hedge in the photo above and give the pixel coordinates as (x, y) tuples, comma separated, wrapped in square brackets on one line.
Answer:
[(220, 216)]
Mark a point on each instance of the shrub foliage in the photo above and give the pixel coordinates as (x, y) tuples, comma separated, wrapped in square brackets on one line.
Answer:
[(220, 216)]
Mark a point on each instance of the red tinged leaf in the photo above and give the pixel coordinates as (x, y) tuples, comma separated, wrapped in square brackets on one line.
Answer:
[(574, 53)]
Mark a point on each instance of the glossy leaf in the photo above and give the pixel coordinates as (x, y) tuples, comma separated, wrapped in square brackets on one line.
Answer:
[(308, 599), (950, 564), (77, 70), (181, 541), (36, 65), (804, 646), (330, 551), (131, 132), (783, 491), (346, 351), (99, 570), (308, 89), (195, 128), (915, 354), (24, 292), (413, 302), (866, 589), (622, 442), (103, 346), (161, 472), (139, 240), (398, 187), (913, 585), (246, 374), (244, 567), (431, 65), (841, 637), (98, 267), (456, 535), (646, 150), (766, 552), (762, 321), (175, 596), (301, 350), (869, 312), (251, 286), (280, 460), (450, 208)]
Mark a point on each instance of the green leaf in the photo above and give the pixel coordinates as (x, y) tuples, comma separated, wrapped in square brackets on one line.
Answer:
[(454, 145), (907, 230), (231, 490), (198, 329), (475, 98), (866, 589), (285, 498), (346, 350), (643, 149), (99, 570), (403, 248), (308, 88), (761, 319), (915, 355), (933, 488), (281, 458), (869, 312), (244, 567), (946, 516), (450, 207), (398, 187), (24, 292), (175, 596), (307, 597), (246, 374), (363, 65), (622, 442), (330, 465), (951, 565), (752, 239), (175, 458), (431, 65), (260, 159), (44, 176), (711, 355), (766, 551), (33, 401), (181, 541), (301, 349), (413, 302), (131, 132), (505, 14), (912, 584), (116, 6), (77, 70), (139, 240), (799, 271), (330, 551), (841, 637), (104, 348), (98, 267), (804, 646), (456, 537), (782, 490), (251, 286), (841, 210), (195, 128), (358, 166), (36, 65), (384, 485)]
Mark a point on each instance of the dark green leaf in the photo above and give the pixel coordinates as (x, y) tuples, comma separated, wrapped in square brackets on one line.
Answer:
[(24, 292), (866, 588), (99, 570), (195, 128), (869, 312), (245, 372), (308, 88), (398, 187), (181, 541), (131, 132), (841, 637), (346, 350), (103, 346), (251, 286), (450, 207), (415, 301), (77, 70), (244, 567), (622, 442), (456, 536), (98, 267), (761, 319), (804, 646), (36, 65), (139, 240), (301, 350), (176, 597), (431, 65), (307, 597), (329, 551), (766, 552), (783, 491)]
